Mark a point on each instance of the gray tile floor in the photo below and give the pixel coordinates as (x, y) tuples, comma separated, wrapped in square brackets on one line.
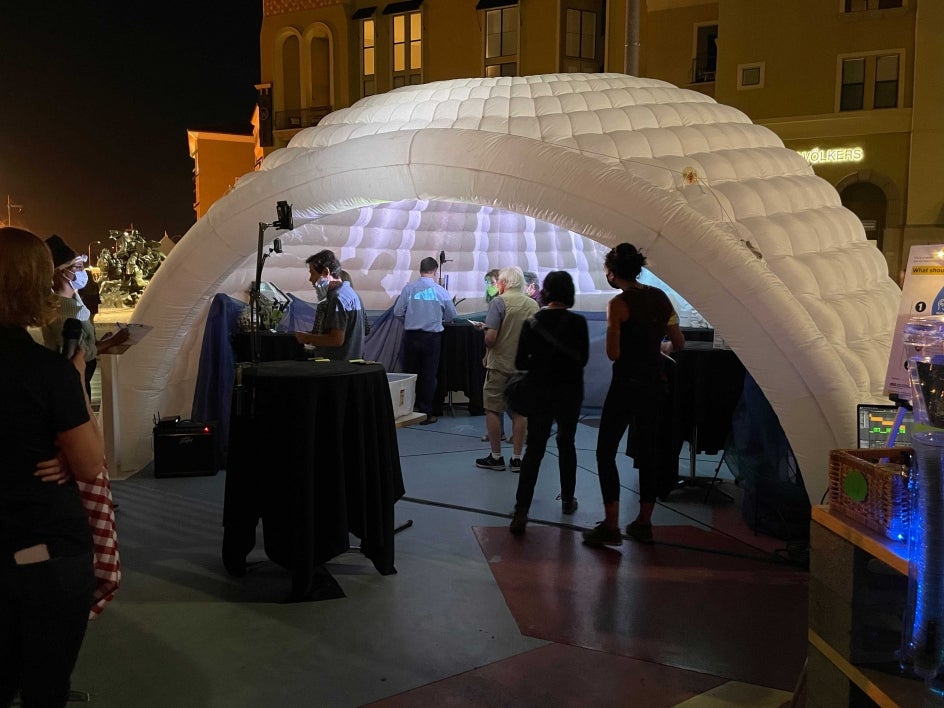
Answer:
[(183, 633)]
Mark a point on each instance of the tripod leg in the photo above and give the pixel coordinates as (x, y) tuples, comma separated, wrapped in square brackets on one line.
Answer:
[(715, 482)]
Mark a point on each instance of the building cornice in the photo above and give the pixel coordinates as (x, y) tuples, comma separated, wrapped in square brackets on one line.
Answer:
[(283, 7), (838, 125)]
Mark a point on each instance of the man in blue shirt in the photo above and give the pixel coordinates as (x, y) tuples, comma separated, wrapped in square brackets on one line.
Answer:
[(340, 320), (424, 305)]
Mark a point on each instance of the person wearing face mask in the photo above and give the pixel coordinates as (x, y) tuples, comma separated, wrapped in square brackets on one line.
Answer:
[(340, 321), (68, 278), (641, 326)]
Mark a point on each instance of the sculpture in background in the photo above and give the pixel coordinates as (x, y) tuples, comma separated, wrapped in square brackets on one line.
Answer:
[(127, 267)]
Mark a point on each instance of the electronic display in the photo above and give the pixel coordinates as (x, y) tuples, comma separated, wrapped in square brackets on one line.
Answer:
[(876, 422)]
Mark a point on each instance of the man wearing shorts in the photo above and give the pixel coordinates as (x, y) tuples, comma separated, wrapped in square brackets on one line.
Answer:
[(507, 314)]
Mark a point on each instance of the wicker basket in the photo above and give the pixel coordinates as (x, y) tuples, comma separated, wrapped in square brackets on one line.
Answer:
[(887, 504)]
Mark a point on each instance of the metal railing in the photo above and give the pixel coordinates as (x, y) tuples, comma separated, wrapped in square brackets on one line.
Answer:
[(703, 69), (300, 117)]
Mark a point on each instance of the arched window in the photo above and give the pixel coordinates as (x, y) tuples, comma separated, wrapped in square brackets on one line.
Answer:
[(291, 74), (317, 74)]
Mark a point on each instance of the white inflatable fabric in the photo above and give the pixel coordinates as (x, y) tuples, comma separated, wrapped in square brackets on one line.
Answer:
[(529, 170)]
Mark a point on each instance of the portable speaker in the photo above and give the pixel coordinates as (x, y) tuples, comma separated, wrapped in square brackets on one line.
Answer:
[(185, 449)]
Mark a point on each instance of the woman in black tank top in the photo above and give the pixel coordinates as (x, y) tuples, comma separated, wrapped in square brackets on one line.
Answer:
[(637, 321)]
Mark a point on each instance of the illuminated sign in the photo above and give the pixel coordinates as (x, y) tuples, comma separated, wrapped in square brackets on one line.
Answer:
[(818, 156)]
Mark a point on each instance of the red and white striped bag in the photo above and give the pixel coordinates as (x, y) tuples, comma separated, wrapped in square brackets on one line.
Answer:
[(96, 498)]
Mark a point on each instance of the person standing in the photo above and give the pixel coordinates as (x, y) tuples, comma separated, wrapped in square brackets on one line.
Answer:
[(553, 348), (637, 322), (340, 321), (69, 278), (46, 565), (506, 315), (532, 287), (424, 306), (491, 285)]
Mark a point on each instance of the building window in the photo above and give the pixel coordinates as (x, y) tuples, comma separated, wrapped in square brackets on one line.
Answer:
[(864, 5), (407, 49), (870, 81), (852, 95), (705, 62), (581, 42), (581, 34), (886, 82), (751, 76), (368, 59), (501, 41)]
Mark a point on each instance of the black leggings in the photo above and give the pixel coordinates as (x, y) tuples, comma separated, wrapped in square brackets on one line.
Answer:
[(566, 413), (90, 367), (637, 406)]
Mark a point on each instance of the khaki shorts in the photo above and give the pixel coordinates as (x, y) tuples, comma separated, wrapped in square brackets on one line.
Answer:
[(493, 392)]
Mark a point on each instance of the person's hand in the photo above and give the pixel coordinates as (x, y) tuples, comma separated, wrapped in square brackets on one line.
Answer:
[(113, 340), (303, 337), (54, 470), (478, 325)]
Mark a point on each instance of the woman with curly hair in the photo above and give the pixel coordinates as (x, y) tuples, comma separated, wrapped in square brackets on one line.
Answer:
[(637, 322)]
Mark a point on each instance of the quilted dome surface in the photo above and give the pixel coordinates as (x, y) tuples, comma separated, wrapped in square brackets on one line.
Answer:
[(549, 172)]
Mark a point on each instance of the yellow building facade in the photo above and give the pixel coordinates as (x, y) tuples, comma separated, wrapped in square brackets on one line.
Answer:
[(218, 160), (854, 85)]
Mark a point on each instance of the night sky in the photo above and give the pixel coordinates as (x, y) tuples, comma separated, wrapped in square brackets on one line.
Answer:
[(97, 101)]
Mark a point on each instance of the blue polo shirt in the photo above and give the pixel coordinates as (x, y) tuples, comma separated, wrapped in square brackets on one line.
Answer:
[(424, 305)]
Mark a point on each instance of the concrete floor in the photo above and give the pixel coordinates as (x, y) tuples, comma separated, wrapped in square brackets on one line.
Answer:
[(473, 617)]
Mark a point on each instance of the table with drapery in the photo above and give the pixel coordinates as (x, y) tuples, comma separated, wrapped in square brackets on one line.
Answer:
[(460, 365), (707, 386), (313, 453)]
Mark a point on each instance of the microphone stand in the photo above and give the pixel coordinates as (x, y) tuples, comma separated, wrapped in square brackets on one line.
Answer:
[(285, 222), (254, 292), (443, 280)]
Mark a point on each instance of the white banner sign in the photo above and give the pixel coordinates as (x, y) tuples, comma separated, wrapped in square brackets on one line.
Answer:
[(921, 295)]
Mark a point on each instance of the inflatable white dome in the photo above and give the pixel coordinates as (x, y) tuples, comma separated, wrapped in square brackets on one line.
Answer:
[(547, 172)]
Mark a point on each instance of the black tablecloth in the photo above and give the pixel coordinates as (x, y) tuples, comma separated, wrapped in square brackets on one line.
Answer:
[(460, 366), (273, 346), (708, 385), (313, 453)]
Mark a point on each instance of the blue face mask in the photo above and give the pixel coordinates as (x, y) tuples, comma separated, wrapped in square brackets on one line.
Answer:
[(80, 280), (321, 288)]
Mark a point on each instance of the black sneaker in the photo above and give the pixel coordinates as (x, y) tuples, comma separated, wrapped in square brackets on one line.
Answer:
[(568, 506), (514, 464), (603, 535), (518, 523), (491, 463), (640, 532)]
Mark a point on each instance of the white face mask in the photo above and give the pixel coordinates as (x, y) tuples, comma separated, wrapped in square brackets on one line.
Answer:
[(321, 288), (80, 279)]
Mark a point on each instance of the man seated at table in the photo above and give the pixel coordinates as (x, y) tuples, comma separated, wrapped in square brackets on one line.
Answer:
[(424, 306), (340, 320)]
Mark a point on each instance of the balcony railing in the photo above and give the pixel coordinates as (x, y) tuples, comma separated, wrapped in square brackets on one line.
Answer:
[(703, 69), (300, 117)]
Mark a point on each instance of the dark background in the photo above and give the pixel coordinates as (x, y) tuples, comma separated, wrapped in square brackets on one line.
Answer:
[(97, 101)]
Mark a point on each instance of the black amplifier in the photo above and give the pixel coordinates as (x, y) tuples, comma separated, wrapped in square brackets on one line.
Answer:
[(185, 448)]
